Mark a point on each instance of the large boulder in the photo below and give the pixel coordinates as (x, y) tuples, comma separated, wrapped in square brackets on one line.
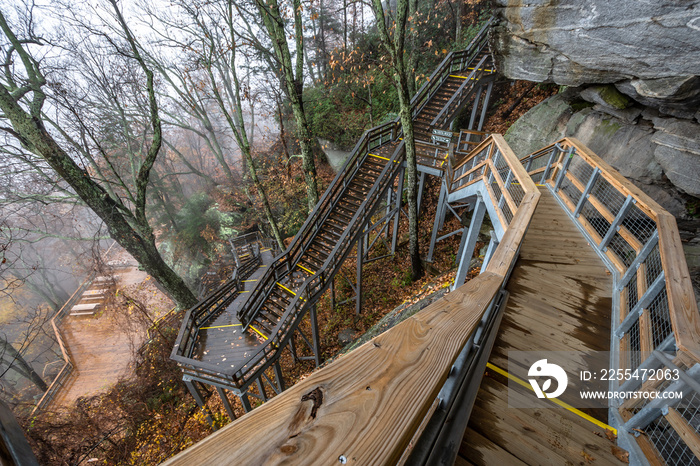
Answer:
[(678, 152), (658, 152), (597, 41), (627, 147)]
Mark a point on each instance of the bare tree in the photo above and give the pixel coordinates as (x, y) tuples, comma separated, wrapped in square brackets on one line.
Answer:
[(292, 73), (393, 40), (212, 47), (23, 93)]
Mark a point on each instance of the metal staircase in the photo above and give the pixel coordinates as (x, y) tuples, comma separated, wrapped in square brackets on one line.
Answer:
[(295, 280)]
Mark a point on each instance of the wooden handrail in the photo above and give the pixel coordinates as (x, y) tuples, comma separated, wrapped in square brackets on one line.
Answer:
[(367, 405)]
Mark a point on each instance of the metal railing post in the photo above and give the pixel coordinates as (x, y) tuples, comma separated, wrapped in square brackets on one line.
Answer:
[(616, 223), (641, 257), (548, 168), (586, 191), (564, 169)]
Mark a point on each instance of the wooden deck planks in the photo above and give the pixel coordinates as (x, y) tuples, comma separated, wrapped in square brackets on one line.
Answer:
[(560, 300)]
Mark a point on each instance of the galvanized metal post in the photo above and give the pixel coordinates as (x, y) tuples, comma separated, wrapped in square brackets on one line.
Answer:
[(437, 222), (617, 222), (315, 337), (397, 216), (485, 106), (470, 243), (493, 244), (333, 293), (279, 377), (261, 389), (227, 404), (245, 401), (358, 290), (421, 184), (565, 167), (475, 106), (548, 168), (586, 191), (197, 395)]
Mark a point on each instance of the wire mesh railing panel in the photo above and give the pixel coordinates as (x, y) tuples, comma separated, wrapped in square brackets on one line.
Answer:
[(622, 249), (652, 266), (499, 161), (580, 169), (571, 191), (639, 224), (537, 160), (633, 344), (495, 188), (507, 213), (660, 319), (516, 191), (669, 444), (689, 408), (599, 223), (630, 294), (608, 195)]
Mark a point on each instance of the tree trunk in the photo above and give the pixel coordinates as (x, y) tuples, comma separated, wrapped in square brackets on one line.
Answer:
[(411, 172), (17, 362), (395, 46), (121, 223), (293, 84)]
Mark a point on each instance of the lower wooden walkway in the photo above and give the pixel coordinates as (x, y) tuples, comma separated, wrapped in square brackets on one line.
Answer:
[(560, 300)]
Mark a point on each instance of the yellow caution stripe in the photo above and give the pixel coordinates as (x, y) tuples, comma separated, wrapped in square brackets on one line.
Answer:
[(481, 69), (383, 158), (305, 269), (221, 326), (293, 293), (568, 407), (258, 332), (246, 281), (461, 77)]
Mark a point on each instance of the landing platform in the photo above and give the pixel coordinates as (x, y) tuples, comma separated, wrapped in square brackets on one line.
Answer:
[(560, 300), (222, 340)]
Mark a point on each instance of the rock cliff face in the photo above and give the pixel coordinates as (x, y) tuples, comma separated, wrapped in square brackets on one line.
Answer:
[(631, 74), (598, 41)]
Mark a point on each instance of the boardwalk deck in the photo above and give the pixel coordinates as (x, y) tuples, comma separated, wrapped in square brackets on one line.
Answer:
[(560, 300), (222, 339)]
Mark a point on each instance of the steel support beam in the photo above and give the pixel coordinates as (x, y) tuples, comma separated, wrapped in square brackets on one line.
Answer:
[(227, 404), (399, 198), (421, 185), (438, 220), (197, 395), (485, 105), (493, 244), (475, 107), (470, 242), (315, 337)]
